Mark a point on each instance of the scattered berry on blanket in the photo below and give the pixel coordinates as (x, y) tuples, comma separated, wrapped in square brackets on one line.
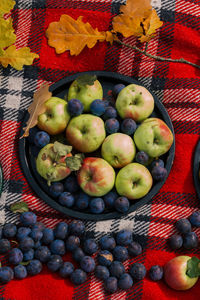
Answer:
[(37, 244), (116, 269), (4, 246), (125, 281), (124, 237), (72, 242), (175, 241), (56, 189), (107, 242), (43, 254), (6, 274), (36, 234), (34, 267), (97, 107), (28, 255), (66, 269), (78, 254), (58, 247), (78, 277), (48, 236), (76, 227), (90, 246), (28, 218), (194, 219), (183, 226), (156, 273), (128, 126), (110, 284), (61, 230), (120, 253), (9, 230), (54, 263), (41, 139), (22, 232), (97, 205), (39, 225), (102, 272), (112, 126), (137, 271), (134, 248), (20, 272), (15, 256), (87, 264), (190, 240), (26, 244), (105, 258)]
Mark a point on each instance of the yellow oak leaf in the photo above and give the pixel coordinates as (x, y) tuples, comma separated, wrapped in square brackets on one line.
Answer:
[(128, 26), (6, 6), (17, 58), (136, 8), (37, 107), (74, 35), (7, 36), (150, 25)]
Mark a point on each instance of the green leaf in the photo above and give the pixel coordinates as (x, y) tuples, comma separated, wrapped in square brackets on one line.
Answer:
[(61, 149), (25, 263), (86, 79), (19, 207), (74, 162), (193, 267), (0, 264)]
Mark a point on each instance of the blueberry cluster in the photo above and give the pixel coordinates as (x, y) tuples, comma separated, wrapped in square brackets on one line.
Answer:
[(187, 238), (38, 245)]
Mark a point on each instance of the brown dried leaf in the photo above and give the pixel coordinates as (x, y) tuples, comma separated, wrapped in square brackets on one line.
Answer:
[(136, 8), (151, 24), (74, 35), (37, 107), (128, 26)]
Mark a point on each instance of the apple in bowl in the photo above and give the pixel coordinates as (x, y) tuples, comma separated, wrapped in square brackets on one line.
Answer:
[(135, 102), (133, 181), (118, 149), (86, 133), (154, 137), (96, 177)]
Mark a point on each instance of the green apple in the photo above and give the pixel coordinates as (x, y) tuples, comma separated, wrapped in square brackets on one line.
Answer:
[(85, 93), (96, 177), (133, 181), (50, 165), (86, 132), (154, 137), (135, 102), (118, 149), (56, 117)]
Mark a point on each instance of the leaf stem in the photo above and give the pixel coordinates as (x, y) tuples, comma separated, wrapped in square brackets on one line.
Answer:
[(158, 58)]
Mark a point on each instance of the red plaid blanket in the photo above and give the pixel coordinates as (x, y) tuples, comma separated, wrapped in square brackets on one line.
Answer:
[(176, 85)]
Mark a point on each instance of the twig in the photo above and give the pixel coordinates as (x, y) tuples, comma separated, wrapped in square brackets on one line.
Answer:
[(159, 58)]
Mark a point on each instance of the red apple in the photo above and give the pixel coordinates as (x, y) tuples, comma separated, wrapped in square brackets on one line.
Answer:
[(175, 273), (96, 177)]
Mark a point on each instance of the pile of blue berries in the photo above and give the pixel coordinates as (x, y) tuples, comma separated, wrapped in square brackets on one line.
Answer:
[(187, 238)]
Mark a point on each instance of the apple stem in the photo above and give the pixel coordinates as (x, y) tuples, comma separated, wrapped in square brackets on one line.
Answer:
[(158, 58)]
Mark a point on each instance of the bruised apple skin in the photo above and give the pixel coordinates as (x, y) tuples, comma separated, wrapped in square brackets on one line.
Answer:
[(154, 137), (175, 274), (48, 167), (86, 93), (135, 102), (86, 133), (96, 177), (56, 117)]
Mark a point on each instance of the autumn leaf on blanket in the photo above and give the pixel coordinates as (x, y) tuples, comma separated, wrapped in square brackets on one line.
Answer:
[(7, 36), (37, 107), (151, 24), (6, 6), (74, 35), (17, 58)]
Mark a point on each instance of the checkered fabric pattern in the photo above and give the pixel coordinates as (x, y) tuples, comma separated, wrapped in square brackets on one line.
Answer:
[(176, 85)]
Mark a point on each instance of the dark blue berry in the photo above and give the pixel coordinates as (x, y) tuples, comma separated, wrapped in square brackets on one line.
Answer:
[(37, 244), (71, 184), (43, 254), (48, 236), (142, 158), (183, 226), (78, 277), (28, 218), (55, 262), (125, 281), (57, 247), (75, 107), (112, 126), (34, 267), (20, 272), (97, 205), (41, 139), (78, 254), (124, 237), (105, 258), (138, 271), (36, 234), (39, 226), (134, 249), (110, 284), (6, 274), (159, 173), (106, 103), (26, 244), (101, 272), (120, 253), (61, 230), (128, 126), (66, 269), (156, 273), (90, 246), (76, 227), (82, 201), (87, 264), (107, 242), (66, 199), (122, 204), (190, 240), (72, 242), (157, 162), (97, 107), (175, 241), (117, 88), (22, 232), (4, 246), (29, 255), (110, 198), (195, 219), (110, 113), (9, 230), (56, 189), (15, 256), (116, 269), (32, 133)]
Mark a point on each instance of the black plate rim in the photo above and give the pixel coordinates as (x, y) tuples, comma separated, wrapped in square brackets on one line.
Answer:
[(196, 166), (81, 215)]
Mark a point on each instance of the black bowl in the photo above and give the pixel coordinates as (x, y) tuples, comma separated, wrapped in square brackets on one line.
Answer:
[(38, 184), (196, 168)]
